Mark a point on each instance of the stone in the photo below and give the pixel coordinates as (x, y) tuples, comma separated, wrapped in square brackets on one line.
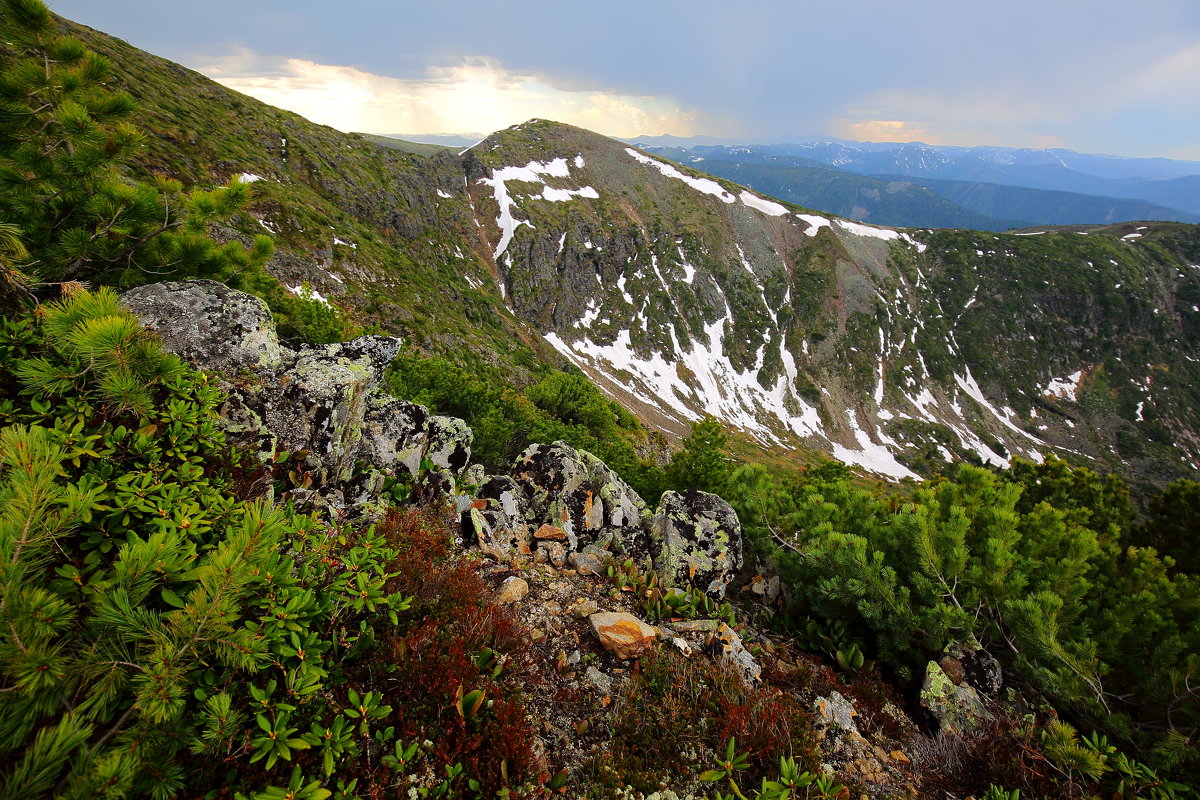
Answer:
[(954, 708), (584, 608), (577, 492), (448, 446), (209, 325), (586, 563), (512, 591), (683, 646), (550, 532), (596, 678), (835, 711), (698, 541), (623, 634), (954, 670), (976, 666), (556, 552), (473, 477)]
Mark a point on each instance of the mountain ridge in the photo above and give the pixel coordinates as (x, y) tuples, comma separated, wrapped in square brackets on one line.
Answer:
[(898, 351)]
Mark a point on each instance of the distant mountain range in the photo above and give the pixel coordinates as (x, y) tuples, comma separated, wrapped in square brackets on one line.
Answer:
[(986, 188)]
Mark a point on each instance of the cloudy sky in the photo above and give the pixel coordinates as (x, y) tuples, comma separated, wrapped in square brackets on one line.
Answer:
[(1096, 76)]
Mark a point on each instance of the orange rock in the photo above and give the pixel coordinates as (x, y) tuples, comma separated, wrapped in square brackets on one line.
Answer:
[(548, 531), (623, 635)]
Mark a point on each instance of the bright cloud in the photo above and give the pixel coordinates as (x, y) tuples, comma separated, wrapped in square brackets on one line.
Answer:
[(476, 95)]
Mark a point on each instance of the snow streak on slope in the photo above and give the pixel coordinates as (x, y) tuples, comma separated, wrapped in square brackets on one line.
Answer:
[(705, 185), (718, 388), (767, 207)]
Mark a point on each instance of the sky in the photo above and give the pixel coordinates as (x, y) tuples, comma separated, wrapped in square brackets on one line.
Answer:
[(1098, 76)]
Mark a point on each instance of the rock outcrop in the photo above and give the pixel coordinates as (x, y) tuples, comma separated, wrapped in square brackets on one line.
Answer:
[(323, 404)]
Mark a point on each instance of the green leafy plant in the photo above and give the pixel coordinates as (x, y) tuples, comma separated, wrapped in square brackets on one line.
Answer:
[(659, 602), (787, 786)]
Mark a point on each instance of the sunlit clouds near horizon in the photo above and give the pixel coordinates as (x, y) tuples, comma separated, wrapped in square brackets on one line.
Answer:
[(1097, 76), (476, 95)]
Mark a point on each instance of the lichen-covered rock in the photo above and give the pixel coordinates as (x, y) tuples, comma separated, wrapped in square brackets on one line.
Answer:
[(209, 325), (321, 401), (698, 541), (953, 707), (449, 444), (968, 662), (394, 434), (835, 711), (577, 492), (495, 520)]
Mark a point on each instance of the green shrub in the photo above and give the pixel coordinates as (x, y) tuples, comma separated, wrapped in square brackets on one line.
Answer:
[(151, 605)]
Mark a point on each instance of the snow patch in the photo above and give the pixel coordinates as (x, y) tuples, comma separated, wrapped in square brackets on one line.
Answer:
[(859, 229), (444, 195), (814, 222), (759, 204), (554, 195), (308, 293), (248, 177), (1064, 388), (590, 315)]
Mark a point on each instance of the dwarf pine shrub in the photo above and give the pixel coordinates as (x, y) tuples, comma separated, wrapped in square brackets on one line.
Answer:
[(151, 608)]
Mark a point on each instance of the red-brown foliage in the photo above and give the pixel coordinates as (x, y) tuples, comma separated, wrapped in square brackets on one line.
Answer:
[(437, 648)]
